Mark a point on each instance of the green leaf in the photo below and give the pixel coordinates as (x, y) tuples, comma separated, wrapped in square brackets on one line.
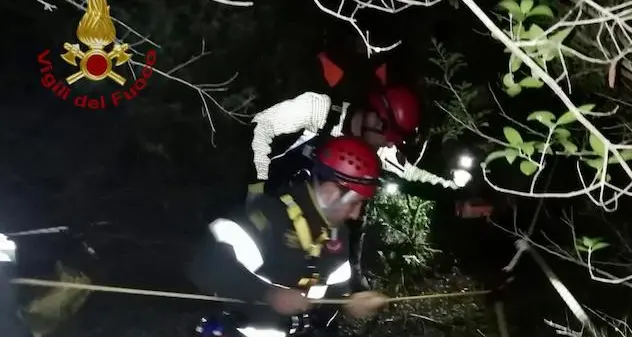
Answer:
[(581, 248), (540, 148), (510, 155), (586, 107), (508, 80), (597, 145), (515, 63), (566, 118), (512, 136), (525, 6), (548, 52), (597, 164), (541, 10), (514, 90), (530, 82), (495, 155), (519, 31), (626, 154), (599, 245), (560, 35), (534, 32), (562, 133), (527, 148), (513, 8), (544, 117), (587, 242), (530, 49), (528, 168), (569, 147)]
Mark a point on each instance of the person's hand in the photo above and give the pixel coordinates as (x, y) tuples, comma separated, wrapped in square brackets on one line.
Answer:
[(365, 303), (287, 301)]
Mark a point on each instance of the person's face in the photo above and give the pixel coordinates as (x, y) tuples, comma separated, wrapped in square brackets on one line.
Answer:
[(339, 207), (368, 125)]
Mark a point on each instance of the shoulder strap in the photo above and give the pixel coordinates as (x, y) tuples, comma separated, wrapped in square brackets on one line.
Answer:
[(310, 245), (333, 118)]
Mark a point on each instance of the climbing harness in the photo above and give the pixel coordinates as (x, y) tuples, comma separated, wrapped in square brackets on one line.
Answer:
[(310, 245)]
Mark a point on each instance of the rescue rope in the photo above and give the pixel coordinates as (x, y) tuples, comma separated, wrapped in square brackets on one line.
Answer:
[(409, 298), (132, 291)]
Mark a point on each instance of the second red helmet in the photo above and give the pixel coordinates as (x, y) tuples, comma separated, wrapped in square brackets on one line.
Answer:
[(399, 110)]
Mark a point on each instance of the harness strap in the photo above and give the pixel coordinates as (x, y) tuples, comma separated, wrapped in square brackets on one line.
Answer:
[(333, 118), (295, 213)]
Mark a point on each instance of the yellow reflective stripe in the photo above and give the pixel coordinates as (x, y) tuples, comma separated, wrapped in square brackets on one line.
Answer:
[(303, 233), (256, 188)]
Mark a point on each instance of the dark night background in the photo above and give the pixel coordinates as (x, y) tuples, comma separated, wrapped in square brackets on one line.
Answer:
[(148, 170)]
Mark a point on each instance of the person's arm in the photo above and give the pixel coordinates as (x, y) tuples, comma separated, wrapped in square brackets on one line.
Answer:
[(408, 171), (226, 269), (306, 111)]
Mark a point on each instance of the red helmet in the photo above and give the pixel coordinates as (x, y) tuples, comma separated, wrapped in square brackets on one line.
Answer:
[(354, 163), (399, 110)]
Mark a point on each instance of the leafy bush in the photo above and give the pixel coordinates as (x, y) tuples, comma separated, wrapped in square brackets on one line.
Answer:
[(405, 267)]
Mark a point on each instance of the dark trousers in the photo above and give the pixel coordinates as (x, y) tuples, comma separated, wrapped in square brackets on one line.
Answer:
[(356, 245)]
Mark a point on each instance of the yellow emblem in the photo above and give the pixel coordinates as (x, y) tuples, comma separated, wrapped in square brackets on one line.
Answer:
[(96, 30)]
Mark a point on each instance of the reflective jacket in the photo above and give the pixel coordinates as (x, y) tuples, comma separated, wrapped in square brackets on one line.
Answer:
[(279, 241)]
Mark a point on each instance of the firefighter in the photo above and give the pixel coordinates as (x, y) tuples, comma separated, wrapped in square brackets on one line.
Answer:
[(388, 116), (280, 247), (10, 323), (383, 121)]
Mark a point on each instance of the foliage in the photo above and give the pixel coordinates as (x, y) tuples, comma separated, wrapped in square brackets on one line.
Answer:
[(403, 224), (462, 95), (408, 266), (580, 134), (557, 139)]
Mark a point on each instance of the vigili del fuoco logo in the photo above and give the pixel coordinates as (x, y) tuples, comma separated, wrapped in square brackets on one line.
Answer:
[(96, 31)]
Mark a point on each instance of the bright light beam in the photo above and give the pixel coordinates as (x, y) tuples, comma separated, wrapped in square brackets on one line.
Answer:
[(466, 161), (461, 177), (391, 188)]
